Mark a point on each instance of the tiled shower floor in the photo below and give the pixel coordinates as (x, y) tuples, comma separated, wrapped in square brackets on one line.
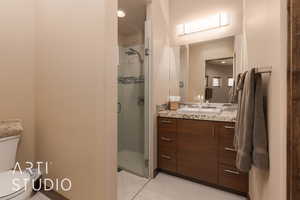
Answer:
[(132, 161), (129, 185)]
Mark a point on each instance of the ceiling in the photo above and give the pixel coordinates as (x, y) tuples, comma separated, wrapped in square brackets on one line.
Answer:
[(135, 16), (222, 62)]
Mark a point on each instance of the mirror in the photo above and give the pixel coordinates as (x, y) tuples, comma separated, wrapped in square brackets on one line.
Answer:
[(204, 71), (219, 80)]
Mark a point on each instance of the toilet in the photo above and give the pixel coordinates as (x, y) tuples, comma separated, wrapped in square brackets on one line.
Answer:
[(13, 185)]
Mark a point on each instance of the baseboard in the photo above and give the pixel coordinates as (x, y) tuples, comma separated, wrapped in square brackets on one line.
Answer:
[(155, 172)]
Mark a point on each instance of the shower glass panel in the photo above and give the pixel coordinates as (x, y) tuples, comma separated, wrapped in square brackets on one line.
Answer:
[(131, 111)]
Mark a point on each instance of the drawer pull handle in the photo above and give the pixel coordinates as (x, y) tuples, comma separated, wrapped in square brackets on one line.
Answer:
[(229, 127), (166, 139), (166, 157), (232, 172), (230, 149), (166, 121)]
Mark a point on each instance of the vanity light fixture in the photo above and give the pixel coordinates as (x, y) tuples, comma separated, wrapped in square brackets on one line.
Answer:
[(121, 14), (212, 22)]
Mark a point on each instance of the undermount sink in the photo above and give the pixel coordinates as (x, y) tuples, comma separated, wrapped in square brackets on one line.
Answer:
[(199, 110)]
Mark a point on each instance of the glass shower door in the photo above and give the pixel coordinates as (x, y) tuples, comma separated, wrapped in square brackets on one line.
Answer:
[(131, 111)]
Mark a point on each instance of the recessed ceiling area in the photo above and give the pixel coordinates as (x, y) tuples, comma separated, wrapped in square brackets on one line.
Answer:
[(222, 62), (134, 20)]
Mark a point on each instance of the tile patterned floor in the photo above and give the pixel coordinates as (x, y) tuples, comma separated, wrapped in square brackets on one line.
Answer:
[(39, 196), (129, 185), (165, 187)]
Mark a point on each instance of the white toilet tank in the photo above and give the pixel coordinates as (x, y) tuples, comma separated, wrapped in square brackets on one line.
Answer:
[(8, 151)]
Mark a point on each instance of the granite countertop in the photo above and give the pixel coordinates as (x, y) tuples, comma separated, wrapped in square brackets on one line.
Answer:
[(224, 116)]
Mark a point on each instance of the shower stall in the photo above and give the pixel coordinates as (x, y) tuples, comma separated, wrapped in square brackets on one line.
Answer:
[(132, 111), (133, 87)]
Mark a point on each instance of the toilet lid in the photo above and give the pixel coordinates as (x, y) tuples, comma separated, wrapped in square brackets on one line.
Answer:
[(12, 183)]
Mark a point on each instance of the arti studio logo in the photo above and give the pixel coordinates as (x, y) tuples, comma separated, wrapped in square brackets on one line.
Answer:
[(35, 170)]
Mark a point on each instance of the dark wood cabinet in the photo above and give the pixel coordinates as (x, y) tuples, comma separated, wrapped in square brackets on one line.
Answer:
[(200, 150), (227, 152), (167, 144), (231, 178), (197, 152)]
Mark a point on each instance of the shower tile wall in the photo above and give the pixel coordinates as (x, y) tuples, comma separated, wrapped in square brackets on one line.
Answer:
[(131, 117)]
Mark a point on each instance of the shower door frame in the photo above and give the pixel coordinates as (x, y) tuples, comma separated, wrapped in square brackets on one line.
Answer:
[(148, 93)]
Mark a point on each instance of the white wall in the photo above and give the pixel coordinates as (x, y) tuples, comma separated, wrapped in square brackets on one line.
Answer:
[(176, 70), (265, 44), (129, 40), (184, 11), (159, 14), (77, 94), (17, 63)]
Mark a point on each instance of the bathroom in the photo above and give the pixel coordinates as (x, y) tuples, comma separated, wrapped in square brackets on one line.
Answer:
[(108, 99)]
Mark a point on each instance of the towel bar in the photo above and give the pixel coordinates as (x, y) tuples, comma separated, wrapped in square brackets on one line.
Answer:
[(263, 70)]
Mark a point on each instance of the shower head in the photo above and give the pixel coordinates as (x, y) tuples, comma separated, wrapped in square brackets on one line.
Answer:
[(132, 51)]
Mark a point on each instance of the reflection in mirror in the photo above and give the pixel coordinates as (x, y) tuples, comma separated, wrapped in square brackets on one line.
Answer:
[(204, 71), (219, 80)]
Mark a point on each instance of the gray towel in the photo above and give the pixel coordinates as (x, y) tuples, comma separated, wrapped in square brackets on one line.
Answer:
[(245, 121), (234, 92), (260, 137), (239, 93), (251, 140)]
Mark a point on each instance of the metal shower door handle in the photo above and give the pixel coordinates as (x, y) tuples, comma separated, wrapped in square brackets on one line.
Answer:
[(119, 107)]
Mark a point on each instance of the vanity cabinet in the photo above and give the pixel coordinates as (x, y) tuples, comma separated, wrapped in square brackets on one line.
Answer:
[(200, 150), (197, 153), (167, 144)]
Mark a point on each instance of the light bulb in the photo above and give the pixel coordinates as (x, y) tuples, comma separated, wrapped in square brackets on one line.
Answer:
[(121, 14)]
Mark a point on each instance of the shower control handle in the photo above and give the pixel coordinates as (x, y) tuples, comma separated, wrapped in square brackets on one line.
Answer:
[(147, 52)]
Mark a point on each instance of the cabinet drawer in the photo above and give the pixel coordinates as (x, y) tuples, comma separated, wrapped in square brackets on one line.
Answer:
[(167, 141), (226, 134), (231, 178), (227, 152), (168, 124), (167, 160), (228, 156)]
